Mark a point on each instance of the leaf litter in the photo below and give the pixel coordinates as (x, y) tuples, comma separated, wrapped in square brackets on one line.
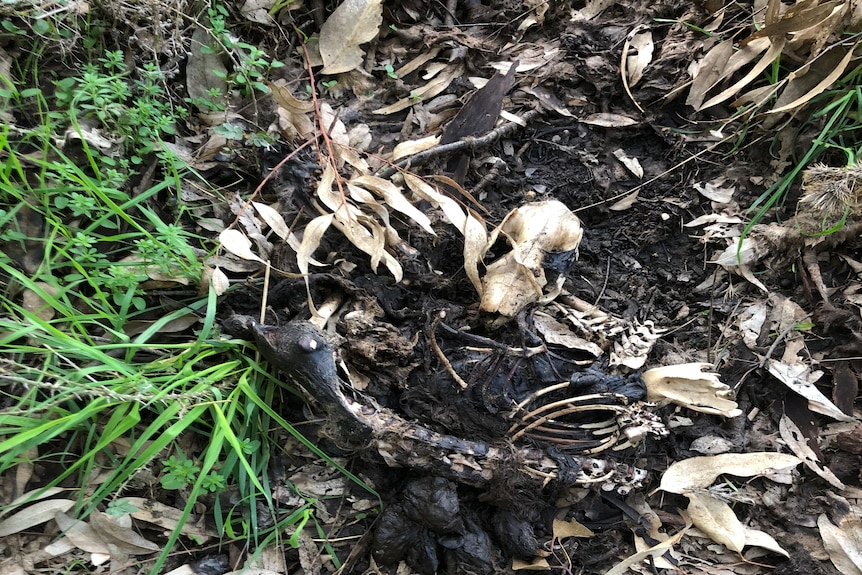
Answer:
[(641, 304)]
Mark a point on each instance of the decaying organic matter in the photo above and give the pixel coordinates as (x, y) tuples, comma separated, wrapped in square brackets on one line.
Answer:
[(302, 352)]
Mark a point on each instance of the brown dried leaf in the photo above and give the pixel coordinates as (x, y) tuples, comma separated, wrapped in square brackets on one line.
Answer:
[(36, 304), (472, 228), (741, 58), (437, 85), (641, 43), (206, 72), (802, 16), (168, 518), (698, 473), (125, 539), (311, 237), (81, 534), (219, 281), (34, 515), (843, 543), (825, 83), (238, 244), (393, 197), (715, 518), (800, 377), (570, 529), (353, 22), (710, 71), (293, 113), (273, 219), (656, 551), (361, 230), (558, 333), (258, 11), (798, 444), (687, 385), (404, 149), (608, 120)]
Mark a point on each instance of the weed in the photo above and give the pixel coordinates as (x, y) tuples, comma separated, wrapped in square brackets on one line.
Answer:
[(836, 112), (101, 376), (251, 64)]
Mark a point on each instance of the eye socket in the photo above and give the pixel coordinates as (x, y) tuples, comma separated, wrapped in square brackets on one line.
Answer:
[(309, 344)]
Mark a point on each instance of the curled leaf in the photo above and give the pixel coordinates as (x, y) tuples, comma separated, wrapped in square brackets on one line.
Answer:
[(689, 386), (238, 244)]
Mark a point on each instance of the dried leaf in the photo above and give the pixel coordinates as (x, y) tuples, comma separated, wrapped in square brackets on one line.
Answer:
[(293, 113), (631, 164), (536, 564), (591, 9), (656, 551), (238, 244), (34, 515), (426, 92), (608, 120), (642, 44), (417, 62), (395, 199), (206, 72), (36, 304), (798, 444), (362, 231), (761, 539), (800, 378), (749, 252), (125, 539), (687, 385), (219, 281), (843, 543), (825, 83), (81, 534), (411, 147), (710, 72), (802, 16), (777, 45), (714, 191), (353, 22), (698, 473), (473, 229), (625, 203), (258, 11), (273, 219), (311, 237), (570, 528), (558, 333), (168, 518), (715, 518), (30, 496)]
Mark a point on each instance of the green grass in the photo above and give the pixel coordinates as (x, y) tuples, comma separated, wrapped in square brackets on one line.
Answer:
[(105, 384), (834, 116)]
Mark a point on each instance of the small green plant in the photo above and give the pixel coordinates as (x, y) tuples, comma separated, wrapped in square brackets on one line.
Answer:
[(102, 375), (181, 472), (390, 71), (136, 111), (251, 65)]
